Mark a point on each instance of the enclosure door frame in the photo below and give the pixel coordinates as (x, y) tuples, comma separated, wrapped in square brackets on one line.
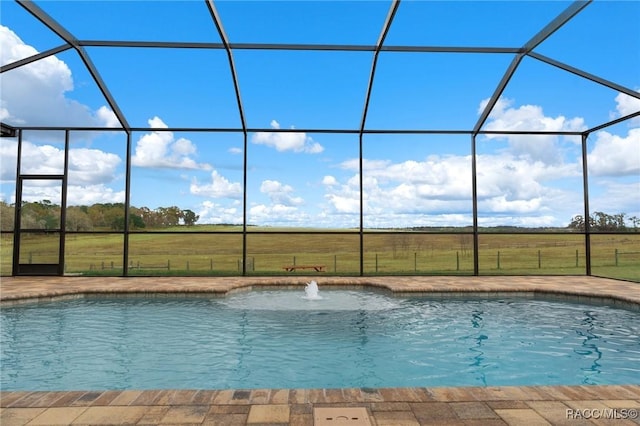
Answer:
[(22, 267)]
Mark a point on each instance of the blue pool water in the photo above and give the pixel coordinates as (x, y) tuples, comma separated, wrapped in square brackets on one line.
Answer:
[(278, 339)]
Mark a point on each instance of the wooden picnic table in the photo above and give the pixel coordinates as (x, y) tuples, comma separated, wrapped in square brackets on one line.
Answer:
[(292, 268)]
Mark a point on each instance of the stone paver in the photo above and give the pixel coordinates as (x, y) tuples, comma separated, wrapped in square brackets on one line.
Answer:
[(57, 416), (19, 416), (522, 416), (277, 413), (110, 415), (486, 406)]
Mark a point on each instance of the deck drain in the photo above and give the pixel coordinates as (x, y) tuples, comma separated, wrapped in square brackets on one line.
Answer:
[(327, 416)]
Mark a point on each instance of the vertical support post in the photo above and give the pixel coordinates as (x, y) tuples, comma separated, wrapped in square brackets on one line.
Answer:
[(457, 261), (616, 255), (498, 259), (127, 202), (63, 205), (361, 225), (16, 218), (244, 199), (587, 224), (474, 196)]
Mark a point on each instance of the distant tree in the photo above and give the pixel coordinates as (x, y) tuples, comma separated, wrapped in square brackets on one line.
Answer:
[(577, 223), (189, 217), (600, 221), (40, 215), (170, 216), (6, 216), (78, 220), (135, 222)]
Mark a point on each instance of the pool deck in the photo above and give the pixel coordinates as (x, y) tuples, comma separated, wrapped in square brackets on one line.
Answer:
[(528, 405)]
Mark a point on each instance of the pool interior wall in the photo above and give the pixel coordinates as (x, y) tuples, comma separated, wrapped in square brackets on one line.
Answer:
[(340, 339)]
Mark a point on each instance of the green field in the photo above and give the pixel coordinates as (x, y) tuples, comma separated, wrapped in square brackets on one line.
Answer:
[(385, 253)]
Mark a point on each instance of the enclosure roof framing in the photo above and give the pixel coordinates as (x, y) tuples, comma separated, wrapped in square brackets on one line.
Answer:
[(230, 43), (62, 32), (541, 36)]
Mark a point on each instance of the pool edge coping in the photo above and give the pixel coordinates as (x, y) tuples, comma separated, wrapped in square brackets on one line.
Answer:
[(607, 292)]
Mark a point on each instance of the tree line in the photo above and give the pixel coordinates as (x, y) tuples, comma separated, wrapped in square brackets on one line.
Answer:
[(599, 221), (102, 216), (110, 216)]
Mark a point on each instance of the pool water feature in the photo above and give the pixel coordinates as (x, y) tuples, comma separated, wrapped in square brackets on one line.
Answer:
[(339, 338)]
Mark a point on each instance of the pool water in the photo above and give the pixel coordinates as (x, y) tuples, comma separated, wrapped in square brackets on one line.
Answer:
[(280, 339)]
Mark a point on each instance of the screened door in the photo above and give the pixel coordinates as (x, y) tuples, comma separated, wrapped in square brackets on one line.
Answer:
[(39, 232)]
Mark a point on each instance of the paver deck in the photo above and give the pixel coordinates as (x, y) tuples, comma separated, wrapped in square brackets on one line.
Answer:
[(528, 405)]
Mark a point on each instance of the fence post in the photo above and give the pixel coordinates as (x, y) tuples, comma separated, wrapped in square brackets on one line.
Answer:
[(102, 264), (415, 261), (376, 263), (335, 263), (457, 261), (187, 265), (498, 260), (539, 260), (168, 264), (294, 260), (576, 258), (211, 264), (112, 264), (616, 257)]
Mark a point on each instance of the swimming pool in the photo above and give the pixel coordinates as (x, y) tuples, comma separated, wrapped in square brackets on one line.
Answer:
[(279, 339)]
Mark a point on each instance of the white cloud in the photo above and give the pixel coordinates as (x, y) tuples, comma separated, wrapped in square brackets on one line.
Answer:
[(287, 141), (92, 194), (279, 193), (85, 195), (614, 197), (530, 118), (626, 105), (86, 166), (235, 150), (329, 180), (614, 155), (211, 212), (219, 187), (160, 149), (278, 214), (436, 190), (37, 94), (108, 117), (432, 187), (90, 171)]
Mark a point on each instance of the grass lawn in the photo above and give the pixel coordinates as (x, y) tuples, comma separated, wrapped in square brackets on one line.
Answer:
[(220, 252)]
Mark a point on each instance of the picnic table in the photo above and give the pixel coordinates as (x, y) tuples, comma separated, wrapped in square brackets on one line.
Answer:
[(292, 268)]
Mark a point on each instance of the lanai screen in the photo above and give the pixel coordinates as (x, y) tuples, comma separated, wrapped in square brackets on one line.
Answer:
[(357, 138)]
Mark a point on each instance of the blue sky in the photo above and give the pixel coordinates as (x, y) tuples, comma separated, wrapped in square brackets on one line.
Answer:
[(312, 178)]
